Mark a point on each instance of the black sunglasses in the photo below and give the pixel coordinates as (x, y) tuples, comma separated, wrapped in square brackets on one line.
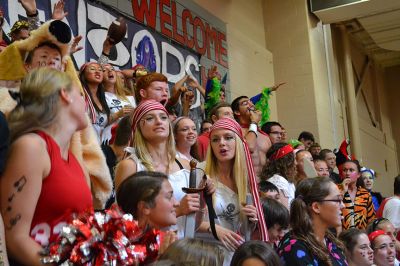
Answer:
[(376, 222)]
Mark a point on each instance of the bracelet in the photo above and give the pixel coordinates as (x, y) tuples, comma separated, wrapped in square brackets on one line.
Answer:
[(103, 53), (33, 15)]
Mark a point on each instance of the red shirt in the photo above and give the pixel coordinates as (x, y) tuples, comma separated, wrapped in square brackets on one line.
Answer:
[(202, 143), (64, 191)]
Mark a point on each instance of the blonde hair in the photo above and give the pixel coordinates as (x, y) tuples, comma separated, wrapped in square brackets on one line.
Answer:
[(239, 169), (39, 103), (143, 154), (120, 90)]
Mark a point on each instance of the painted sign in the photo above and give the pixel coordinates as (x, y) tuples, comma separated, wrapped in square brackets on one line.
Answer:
[(175, 50)]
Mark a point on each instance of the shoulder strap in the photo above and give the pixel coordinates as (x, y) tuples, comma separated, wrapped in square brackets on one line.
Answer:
[(179, 164), (211, 213)]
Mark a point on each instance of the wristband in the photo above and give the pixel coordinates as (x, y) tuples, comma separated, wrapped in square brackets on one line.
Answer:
[(103, 53), (253, 128), (33, 15)]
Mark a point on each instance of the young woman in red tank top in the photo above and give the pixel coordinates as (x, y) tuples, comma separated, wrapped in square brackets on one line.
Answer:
[(42, 182)]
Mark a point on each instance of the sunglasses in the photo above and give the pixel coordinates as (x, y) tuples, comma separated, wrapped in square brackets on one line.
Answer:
[(376, 222)]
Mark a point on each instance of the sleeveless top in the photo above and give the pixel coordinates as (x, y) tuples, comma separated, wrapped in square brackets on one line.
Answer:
[(227, 209), (178, 180), (64, 191)]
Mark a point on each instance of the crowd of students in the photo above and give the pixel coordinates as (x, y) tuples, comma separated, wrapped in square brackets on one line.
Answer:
[(98, 138)]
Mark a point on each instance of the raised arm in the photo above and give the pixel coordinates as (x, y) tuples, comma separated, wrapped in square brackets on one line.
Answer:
[(250, 135), (177, 90), (105, 53), (58, 11), (194, 84), (31, 12)]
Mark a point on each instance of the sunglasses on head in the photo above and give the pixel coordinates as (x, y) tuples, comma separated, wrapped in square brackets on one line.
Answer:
[(376, 222)]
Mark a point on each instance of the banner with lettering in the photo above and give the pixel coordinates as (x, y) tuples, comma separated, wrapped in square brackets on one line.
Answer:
[(157, 37)]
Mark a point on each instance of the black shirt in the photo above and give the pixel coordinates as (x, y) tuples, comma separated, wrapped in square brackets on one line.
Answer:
[(111, 160), (335, 177)]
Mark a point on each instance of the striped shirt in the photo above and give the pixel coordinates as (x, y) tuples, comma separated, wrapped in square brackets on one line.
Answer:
[(360, 213)]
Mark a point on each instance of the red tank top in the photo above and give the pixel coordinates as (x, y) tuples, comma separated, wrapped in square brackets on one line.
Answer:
[(64, 191)]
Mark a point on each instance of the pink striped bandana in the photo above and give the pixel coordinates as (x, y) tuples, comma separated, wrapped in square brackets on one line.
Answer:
[(232, 125), (143, 108)]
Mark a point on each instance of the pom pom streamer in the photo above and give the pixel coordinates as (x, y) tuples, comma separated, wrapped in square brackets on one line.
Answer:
[(103, 238), (213, 94), (261, 103)]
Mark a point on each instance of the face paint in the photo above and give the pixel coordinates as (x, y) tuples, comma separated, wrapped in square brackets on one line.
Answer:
[(353, 177)]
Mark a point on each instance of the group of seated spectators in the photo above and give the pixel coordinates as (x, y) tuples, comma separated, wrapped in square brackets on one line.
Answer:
[(96, 138)]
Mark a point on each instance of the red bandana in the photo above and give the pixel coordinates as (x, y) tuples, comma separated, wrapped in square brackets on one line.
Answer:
[(143, 108), (375, 234), (285, 150)]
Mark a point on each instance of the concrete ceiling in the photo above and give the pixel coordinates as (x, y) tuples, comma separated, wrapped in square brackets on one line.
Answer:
[(373, 23)]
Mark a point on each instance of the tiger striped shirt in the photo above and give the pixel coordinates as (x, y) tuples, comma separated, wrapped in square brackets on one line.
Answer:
[(360, 213)]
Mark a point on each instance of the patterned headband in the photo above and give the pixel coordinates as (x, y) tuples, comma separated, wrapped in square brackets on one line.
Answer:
[(232, 125), (85, 65), (143, 108), (368, 170), (285, 150)]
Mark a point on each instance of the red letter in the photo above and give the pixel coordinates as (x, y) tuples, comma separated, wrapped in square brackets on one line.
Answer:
[(179, 38), (141, 11), (165, 18), (222, 50), (186, 14), (203, 75), (198, 23), (211, 35)]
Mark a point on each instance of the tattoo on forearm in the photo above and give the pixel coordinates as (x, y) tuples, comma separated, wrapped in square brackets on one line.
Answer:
[(18, 186), (13, 221)]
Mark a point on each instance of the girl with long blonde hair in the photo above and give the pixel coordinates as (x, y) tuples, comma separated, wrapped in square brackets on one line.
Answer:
[(154, 150), (229, 165)]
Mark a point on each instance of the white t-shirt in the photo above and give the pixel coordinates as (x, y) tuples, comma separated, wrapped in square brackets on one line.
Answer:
[(227, 209), (178, 180), (114, 104), (99, 124), (392, 211)]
